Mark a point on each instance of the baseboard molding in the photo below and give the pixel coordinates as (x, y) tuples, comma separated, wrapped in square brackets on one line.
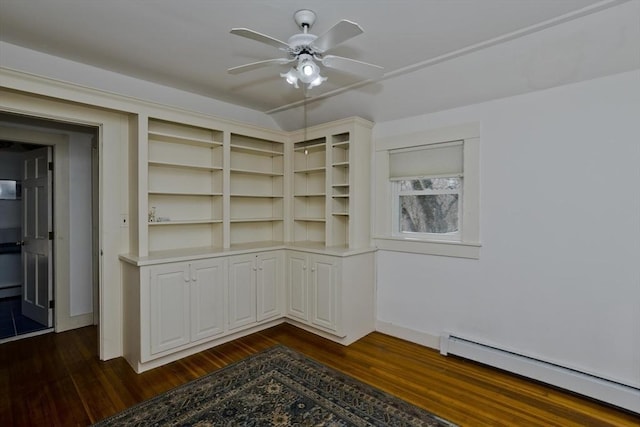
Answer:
[(599, 388), (411, 335)]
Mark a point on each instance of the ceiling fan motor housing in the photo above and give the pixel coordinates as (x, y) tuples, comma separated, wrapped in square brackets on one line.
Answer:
[(304, 18)]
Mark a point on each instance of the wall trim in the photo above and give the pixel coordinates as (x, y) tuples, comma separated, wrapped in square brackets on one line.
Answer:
[(407, 334)]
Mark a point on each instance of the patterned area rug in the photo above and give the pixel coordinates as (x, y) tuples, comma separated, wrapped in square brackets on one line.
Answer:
[(277, 387)]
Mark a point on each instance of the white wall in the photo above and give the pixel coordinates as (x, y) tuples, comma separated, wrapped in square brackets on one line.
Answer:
[(558, 276), (80, 232)]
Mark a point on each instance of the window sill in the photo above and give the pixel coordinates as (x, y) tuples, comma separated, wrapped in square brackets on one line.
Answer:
[(430, 247)]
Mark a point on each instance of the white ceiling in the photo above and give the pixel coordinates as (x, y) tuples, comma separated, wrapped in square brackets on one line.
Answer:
[(186, 44)]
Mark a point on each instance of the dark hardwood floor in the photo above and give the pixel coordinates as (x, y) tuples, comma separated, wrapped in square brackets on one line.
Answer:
[(57, 380)]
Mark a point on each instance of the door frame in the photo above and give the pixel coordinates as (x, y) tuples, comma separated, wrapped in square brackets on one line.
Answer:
[(62, 319), (113, 202)]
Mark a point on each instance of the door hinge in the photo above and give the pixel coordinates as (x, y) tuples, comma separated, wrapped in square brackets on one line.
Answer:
[(52, 304), (50, 166), (51, 235)]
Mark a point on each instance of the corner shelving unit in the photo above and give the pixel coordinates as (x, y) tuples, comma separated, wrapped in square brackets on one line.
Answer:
[(256, 190), (184, 186), (309, 191), (340, 189)]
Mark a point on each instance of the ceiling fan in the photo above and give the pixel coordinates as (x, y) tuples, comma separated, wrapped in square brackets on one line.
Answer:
[(304, 49)]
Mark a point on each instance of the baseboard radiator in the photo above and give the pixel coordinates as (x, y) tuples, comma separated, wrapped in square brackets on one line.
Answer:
[(624, 396)]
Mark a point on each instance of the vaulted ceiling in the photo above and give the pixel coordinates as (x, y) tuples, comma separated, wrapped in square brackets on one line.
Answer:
[(186, 44)]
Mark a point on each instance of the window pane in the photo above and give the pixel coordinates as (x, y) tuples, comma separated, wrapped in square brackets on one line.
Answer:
[(436, 213), (430, 184)]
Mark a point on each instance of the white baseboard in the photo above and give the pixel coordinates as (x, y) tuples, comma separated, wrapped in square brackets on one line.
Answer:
[(602, 389), (411, 335)]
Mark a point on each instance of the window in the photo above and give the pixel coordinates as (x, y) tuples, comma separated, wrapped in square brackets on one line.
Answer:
[(427, 192), (428, 208)]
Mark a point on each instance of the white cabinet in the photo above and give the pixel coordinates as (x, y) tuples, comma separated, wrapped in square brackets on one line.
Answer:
[(186, 303), (313, 287), (255, 292), (297, 286)]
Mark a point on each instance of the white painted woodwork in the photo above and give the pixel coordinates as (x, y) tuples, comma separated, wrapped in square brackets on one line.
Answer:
[(297, 286), (325, 288), (255, 288), (221, 203), (170, 307), (207, 298), (242, 290), (269, 285), (314, 289), (186, 303), (331, 188)]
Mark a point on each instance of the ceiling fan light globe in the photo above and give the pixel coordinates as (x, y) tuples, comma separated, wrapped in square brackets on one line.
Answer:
[(291, 77), (307, 69), (317, 81)]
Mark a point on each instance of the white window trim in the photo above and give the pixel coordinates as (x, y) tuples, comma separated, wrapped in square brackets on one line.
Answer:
[(468, 246)]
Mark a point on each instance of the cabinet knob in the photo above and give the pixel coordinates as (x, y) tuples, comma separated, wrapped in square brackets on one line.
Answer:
[(313, 269)]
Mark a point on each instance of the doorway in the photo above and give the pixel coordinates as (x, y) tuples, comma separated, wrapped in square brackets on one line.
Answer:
[(27, 281)]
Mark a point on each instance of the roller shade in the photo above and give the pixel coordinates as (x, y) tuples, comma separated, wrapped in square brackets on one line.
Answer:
[(429, 160)]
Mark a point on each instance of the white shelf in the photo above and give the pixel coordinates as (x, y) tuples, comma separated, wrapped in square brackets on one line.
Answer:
[(306, 219), (314, 146), (340, 195), (270, 219), (256, 172), (340, 213), (180, 193), (340, 144), (176, 139), (185, 222), (311, 170), (252, 150), (183, 166), (341, 164), (311, 195), (266, 196)]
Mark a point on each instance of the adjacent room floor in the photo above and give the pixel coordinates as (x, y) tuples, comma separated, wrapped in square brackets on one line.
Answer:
[(12, 322)]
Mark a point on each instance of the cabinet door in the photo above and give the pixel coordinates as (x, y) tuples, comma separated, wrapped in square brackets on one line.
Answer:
[(207, 299), (269, 285), (169, 307), (324, 291), (242, 290), (297, 286)]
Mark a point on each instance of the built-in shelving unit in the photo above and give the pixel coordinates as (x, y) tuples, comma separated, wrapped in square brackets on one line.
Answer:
[(309, 190), (238, 228), (340, 188), (185, 185), (256, 190), (234, 186)]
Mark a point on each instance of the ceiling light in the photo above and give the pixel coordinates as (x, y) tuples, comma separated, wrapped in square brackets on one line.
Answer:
[(291, 77), (307, 72)]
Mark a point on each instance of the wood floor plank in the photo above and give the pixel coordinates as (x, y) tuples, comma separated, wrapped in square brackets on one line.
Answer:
[(57, 380)]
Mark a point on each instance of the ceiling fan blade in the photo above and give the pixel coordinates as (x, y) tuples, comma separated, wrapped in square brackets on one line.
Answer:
[(352, 66), (342, 31), (262, 38), (259, 64)]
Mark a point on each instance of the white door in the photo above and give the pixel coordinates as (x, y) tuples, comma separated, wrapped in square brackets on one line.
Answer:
[(324, 290), (37, 281), (207, 298), (242, 290), (297, 286), (170, 307), (269, 281)]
